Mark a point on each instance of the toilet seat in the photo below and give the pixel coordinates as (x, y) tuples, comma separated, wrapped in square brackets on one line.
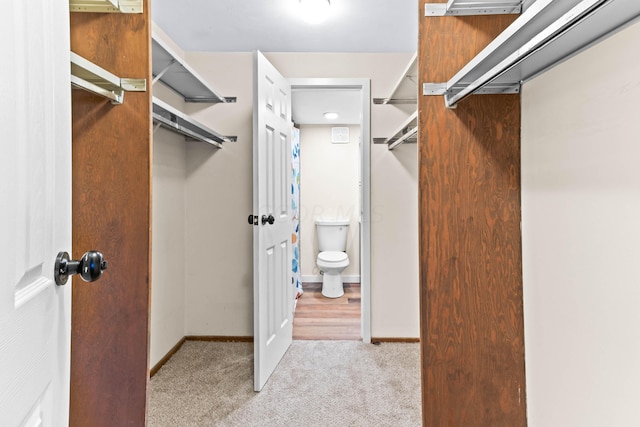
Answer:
[(333, 258)]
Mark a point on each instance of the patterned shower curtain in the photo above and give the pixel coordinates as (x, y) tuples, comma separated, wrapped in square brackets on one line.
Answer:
[(295, 211)]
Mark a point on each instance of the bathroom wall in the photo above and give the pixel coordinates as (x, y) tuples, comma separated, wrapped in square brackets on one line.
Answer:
[(580, 235), (218, 265), (329, 189)]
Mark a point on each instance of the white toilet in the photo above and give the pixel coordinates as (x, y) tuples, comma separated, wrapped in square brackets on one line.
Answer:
[(332, 259)]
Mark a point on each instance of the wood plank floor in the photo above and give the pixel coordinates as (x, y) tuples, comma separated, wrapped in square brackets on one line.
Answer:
[(321, 318)]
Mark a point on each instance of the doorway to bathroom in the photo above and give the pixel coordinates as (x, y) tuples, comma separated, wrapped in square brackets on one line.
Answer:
[(334, 154)]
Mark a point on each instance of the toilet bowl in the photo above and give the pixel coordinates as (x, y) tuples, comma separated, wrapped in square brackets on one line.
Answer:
[(332, 264), (332, 257)]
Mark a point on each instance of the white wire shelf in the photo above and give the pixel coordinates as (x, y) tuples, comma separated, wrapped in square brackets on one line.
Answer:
[(546, 33), (173, 71), (90, 77)]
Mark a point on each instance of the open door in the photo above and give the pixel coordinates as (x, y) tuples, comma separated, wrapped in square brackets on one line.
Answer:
[(271, 219), (35, 217)]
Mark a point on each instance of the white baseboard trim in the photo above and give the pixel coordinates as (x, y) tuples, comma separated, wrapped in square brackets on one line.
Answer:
[(352, 278)]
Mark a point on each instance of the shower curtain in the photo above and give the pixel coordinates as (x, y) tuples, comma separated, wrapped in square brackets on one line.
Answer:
[(295, 211)]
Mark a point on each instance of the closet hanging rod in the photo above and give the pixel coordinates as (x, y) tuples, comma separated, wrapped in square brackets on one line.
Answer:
[(394, 101), (179, 122), (173, 126), (169, 68), (405, 133)]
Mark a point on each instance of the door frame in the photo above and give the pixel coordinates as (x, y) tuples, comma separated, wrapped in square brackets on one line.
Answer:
[(364, 85)]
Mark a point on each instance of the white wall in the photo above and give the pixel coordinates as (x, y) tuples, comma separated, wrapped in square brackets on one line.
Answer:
[(168, 243), (168, 233), (394, 241), (219, 281), (219, 187), (581, 238), (329, 189)]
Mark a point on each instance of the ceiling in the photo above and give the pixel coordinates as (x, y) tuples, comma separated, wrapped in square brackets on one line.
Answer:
[(275, 26), (366, 26), (309, 105)]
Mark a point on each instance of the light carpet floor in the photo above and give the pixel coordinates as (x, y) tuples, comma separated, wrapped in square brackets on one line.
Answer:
[(317, 383)]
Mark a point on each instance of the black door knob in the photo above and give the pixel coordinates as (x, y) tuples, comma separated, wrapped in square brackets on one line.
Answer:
[(268, 219), (89, 267)]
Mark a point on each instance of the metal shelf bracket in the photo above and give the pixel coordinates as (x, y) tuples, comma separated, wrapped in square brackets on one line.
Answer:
[(466, 8), (95, 79), (106, 6), (495, 88), (161, 72)]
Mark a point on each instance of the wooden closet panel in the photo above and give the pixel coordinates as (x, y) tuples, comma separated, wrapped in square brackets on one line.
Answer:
[(472, 335), (111, 213)]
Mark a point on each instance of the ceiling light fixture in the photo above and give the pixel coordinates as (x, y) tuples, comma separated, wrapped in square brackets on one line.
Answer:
[(330, 115), (314, 11)]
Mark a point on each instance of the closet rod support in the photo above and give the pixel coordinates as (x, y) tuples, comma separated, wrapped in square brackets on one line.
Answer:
[(106, 6), (131, 6), (465, 8), (133, 85), (492, 88), (434, 89), (430, 89)]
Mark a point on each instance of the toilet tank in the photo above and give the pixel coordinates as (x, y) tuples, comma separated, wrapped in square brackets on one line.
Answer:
[(332, 234)]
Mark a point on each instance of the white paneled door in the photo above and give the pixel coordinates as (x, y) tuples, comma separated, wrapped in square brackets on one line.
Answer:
[(35, 213), (272, 287)]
